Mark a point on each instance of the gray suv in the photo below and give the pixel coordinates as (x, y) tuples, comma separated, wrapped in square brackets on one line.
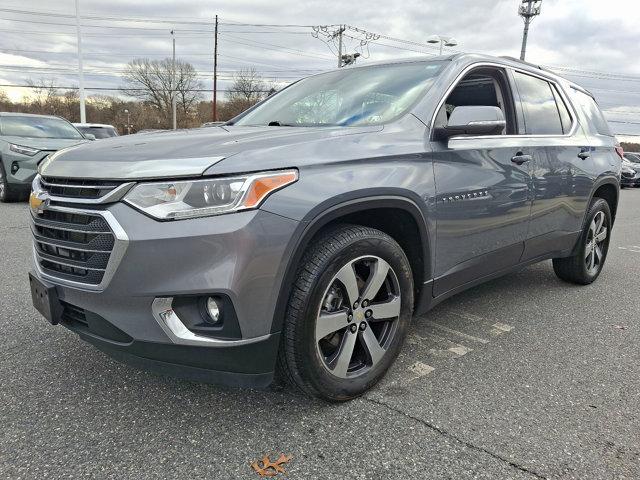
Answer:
[(302, 236), (25, 140)]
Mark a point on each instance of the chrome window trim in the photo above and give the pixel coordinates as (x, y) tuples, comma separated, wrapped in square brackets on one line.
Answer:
[(178, 333), (121, 241), (542, 76)]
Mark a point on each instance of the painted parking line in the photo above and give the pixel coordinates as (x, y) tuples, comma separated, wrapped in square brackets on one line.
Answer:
[(444, 346), (631, 248), (500, 328), (420, 369), (456, 332), (470, 316), (460, 350)]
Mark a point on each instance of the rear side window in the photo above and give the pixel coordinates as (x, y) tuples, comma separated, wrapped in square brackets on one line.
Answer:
[(541, 114), (592, 111)]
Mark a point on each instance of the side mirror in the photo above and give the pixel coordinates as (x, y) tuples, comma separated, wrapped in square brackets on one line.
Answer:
[(89, 136), (472, 120)]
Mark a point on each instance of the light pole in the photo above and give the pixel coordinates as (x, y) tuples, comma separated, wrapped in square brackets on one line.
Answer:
[(173, 80), (528, 10), (128, 122), (443, 41), (83, 115)]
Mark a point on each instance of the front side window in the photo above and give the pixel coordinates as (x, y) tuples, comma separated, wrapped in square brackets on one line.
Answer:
[(480, 87), (348, 97), (37, 127), (541, 114)]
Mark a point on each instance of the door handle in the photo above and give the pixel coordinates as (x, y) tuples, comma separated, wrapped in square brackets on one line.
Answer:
[(583, 155), (520, 158)]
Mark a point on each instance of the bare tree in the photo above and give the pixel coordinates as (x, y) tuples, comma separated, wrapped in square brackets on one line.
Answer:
[(152, 82), (44, 95), (248, 86)]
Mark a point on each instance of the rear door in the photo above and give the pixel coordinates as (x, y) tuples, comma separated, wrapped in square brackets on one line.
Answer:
[(483, 195), (561, 182)]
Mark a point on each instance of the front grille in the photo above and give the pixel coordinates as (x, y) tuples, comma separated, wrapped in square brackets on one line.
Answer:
[(81, 320), (73, 246), (75, 188), (71, 314)]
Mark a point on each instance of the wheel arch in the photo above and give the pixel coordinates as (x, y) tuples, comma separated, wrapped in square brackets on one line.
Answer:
[(361, 211), (607, 188)]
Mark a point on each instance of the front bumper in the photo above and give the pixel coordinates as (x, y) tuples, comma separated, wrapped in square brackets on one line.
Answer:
[(27, 168), (237, 255)]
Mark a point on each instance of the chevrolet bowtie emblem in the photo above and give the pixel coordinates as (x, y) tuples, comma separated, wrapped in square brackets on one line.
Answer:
[(38, 202)]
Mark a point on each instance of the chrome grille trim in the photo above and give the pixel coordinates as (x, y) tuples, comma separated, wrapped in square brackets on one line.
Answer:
[(121, 241), (114, 195), (70, 185)]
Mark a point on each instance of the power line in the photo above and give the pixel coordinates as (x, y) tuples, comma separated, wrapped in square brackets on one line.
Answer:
[(47, 87)]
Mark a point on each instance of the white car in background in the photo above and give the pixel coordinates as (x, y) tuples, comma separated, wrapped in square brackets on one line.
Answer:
[(98, 130)]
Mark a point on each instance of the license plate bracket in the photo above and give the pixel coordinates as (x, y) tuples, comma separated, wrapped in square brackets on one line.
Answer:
[(45, 300)]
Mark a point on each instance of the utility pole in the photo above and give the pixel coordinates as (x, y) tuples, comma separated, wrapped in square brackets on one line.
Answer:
[(83, 115), (173, 81), (528, 10), (328, 35), (338, 34), (215, 73), (126, 110)]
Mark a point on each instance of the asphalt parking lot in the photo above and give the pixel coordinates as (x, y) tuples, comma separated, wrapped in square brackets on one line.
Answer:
[(523, 377)]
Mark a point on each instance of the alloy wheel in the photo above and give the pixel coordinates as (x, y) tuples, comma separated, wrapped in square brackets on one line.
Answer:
[(358, 317), (594, 250)]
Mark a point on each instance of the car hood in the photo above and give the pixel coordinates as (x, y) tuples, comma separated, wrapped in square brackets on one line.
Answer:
[(50, 144), (183, 153)]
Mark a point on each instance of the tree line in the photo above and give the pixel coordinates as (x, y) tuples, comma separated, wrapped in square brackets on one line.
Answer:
[(146, 93)]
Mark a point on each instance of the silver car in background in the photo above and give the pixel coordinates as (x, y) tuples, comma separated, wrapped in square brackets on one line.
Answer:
[(97, 130)]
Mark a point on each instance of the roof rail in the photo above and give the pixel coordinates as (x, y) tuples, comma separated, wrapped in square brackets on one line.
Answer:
[(514, 59)]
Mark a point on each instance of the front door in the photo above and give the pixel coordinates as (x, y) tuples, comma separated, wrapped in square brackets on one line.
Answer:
[(483, 186), (482, 212)]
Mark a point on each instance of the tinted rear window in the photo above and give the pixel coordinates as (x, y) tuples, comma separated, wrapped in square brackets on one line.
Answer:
[(541, 113), (592, 111), (99, 132)]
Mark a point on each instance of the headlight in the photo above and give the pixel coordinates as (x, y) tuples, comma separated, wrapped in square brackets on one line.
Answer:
[(23, 150), (213, 196)]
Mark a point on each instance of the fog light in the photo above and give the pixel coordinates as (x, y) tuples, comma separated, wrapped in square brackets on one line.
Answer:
[(15, 167), (213, 309)]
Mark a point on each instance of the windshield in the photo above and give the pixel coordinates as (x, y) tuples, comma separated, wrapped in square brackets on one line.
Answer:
[(99, 132), (347, 97), (37, 127)]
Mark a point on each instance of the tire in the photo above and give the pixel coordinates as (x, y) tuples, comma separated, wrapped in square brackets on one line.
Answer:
[(587, 262), (348, 361), (7, 193)]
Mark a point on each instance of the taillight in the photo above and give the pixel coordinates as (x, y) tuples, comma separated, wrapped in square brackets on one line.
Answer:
[(620, 152)]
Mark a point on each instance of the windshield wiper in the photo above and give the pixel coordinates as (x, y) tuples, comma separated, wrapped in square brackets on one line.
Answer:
[(276, 123)]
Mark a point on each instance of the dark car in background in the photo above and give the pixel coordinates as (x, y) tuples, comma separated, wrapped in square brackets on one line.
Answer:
[(630, 173), (25, 140), (304, 234), (633, 157), (97, 130)]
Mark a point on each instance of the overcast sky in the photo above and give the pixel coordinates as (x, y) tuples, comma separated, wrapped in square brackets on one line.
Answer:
[(599, 39)]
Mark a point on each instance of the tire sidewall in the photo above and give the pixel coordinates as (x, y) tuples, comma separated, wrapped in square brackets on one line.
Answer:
[(4, 197), (599, 205), (314, 370)]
